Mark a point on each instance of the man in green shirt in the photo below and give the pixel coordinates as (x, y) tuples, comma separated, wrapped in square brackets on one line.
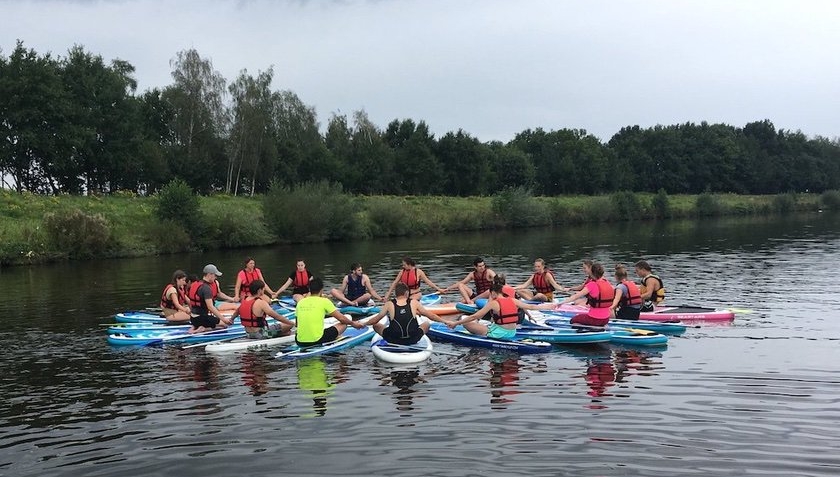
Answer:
[(310, 313)]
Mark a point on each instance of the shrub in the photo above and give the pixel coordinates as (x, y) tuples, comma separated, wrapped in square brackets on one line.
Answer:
[(310, 212), (169, 236), (707, 205), (830, 199), (784, 203), (233, 229), (625, 205), (177, 202), (517, 207), (78, 235), (388, 218), (661, 204)]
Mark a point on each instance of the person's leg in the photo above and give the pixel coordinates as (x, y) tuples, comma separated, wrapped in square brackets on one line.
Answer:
[(466, 293), (338, 295), (476, 328)]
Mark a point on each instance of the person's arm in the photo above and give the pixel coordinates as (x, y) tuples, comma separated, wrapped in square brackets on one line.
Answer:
[(237, 289), (530, 306), (387, 309), (344, 320), (428, 314), (577, 295), (224, 296), (526, 284), (369, 288), (282, 288), (393, 285), (208, 301), (267, 288), (475, 316), (422, 276), (551, 281), (178, 305), (269, 311), (618, 293), (464, 281)]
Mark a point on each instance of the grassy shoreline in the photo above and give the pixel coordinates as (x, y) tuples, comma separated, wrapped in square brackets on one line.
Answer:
[(38, 229)]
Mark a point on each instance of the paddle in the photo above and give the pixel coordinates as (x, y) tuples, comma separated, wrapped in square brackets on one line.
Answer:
[(741, 311), (419, 348)]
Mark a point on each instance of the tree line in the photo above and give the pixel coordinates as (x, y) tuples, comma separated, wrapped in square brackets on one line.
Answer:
[(76, 124)]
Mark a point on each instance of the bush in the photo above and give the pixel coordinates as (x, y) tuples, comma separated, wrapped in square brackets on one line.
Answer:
[(661, 204), (310, 212), (517, 207), (169, 236), (626, 205), (234, 229), (388, 218), (830, 199), (707, 205), (78, 235), (177, 202), (784, 203)]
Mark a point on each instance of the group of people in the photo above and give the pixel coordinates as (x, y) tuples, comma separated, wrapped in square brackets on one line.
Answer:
[(194, 300)]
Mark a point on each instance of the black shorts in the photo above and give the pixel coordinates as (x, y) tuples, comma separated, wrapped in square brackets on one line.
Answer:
[(207, 321), (627, 313), (393, 334), (330, 334)]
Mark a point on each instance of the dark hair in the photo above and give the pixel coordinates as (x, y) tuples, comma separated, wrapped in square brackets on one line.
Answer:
[(588, 262), (597, 270), (178, 274), (192, 278), (256, 286), (409, 261), (300, 260), (643, 265), (477, 261), (354, 266), (620, 272), (401, 289), (500, 279), (316, 285), (496, 287), (248, 259)]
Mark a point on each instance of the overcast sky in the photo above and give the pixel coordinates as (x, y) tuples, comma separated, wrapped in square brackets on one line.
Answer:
[(490, 67)]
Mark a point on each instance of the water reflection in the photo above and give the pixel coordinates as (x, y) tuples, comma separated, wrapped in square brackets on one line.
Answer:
[(504, 379), (255, 369), (313, 378)]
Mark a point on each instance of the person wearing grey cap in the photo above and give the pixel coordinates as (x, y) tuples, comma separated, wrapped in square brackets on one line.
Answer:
[(202, 296), (218, 294)]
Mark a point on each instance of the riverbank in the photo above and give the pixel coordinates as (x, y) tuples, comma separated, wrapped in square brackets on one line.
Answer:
[(37, 229)]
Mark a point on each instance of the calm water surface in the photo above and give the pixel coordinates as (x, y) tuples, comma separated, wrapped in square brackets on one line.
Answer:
[(760, 396)]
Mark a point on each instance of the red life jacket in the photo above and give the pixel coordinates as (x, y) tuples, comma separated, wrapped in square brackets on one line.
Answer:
[(166, 302), (301, 279), (247, 317), (414, 282), (605, 296), (633, 296), (482, 284), (540, 283), (509, 291), (192, 295), (508, 311), (247, 279)]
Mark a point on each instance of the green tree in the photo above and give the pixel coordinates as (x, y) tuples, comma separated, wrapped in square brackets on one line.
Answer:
[(419, 171), (466, 162)]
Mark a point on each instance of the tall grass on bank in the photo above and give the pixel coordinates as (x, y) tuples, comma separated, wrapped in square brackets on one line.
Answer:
[(37, 229)]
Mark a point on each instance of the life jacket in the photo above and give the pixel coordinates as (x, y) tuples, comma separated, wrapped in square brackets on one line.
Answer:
[(540, 283), (166, 302), (659, 294), (192, 295), (247, 279), (355, 288), (633, 296), (509, 291), (247, 317), (301, 279), (403, 318), (409, 277), (605, 296), (482, 284), (508, 311)]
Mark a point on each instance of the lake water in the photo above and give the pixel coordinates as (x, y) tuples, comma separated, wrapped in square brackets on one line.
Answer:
[(760, 396)]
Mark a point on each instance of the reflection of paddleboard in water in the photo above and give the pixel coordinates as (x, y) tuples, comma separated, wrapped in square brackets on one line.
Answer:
[(312, 377)]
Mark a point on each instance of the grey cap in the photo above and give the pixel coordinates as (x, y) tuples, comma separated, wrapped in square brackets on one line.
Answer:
[(210, 268)]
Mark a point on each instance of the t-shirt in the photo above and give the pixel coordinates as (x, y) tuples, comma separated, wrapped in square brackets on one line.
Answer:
[(203, 293), (310, 313)]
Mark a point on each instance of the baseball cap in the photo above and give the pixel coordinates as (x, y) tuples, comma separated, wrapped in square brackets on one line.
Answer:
[(210, 268)]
